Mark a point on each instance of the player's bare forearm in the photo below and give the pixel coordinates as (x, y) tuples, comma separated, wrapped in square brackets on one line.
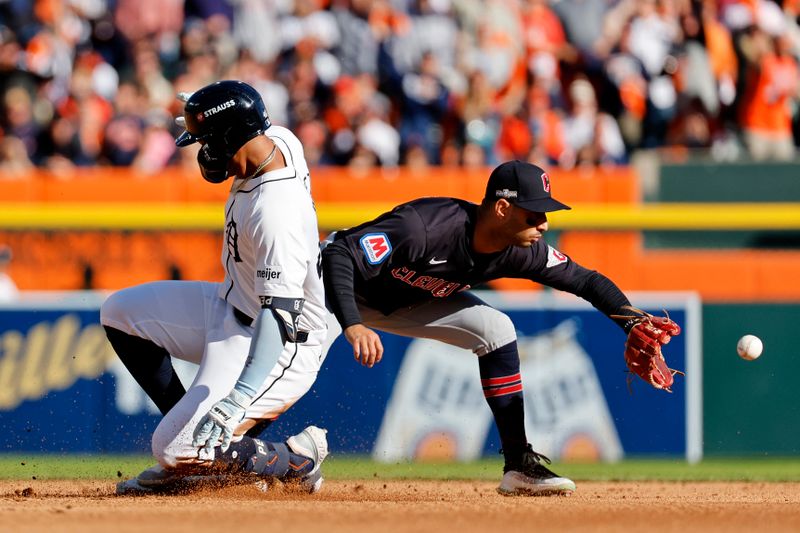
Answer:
[(367, 346)]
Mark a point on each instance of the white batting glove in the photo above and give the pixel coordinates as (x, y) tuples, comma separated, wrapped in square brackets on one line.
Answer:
[(217, 426)]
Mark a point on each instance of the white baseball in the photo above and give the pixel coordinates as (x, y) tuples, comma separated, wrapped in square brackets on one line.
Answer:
[(749, 347)]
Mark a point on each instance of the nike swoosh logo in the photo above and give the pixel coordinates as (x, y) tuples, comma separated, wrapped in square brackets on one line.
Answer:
[(435, 261)]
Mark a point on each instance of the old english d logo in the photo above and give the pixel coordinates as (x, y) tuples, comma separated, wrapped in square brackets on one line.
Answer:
[(376, 247), (546, 182), (232, 240)]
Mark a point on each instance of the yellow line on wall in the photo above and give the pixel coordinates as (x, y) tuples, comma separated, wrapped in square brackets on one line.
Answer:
[(153, 216), (111, 216), (751, 216), (718, 216)]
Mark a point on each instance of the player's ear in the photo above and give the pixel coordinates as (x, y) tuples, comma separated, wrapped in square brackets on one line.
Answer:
[(502, 209)]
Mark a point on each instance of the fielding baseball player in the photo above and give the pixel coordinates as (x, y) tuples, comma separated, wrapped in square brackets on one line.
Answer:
[(257, 336), (407, 272)]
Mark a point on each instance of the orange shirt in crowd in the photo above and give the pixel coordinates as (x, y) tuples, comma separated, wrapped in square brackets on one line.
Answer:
[(765, 107), (552, 135), (542, 30), (720, 49), (547, 124), (542, 33), (515, 139)]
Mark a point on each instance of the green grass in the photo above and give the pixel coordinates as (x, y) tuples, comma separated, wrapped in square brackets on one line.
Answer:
[(349, 467), (785, 469)]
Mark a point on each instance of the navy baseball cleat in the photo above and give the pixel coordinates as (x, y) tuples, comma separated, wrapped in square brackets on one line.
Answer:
[(159, 480), (311, 443), (527, 476), (155, 479)]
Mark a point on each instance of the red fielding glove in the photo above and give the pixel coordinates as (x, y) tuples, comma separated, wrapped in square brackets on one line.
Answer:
[(646, 336)]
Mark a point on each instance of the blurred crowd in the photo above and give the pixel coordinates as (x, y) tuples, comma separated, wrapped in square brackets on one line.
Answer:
[(380, 83)]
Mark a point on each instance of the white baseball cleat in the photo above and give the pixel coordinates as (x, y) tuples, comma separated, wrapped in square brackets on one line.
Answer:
[(529, 477), (311, 443), (518, 484)]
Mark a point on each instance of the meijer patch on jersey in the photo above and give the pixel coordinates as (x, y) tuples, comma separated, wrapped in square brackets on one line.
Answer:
[(269, 275), (376, 246)]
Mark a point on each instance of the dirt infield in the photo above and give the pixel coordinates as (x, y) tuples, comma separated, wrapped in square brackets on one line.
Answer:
[(377, 506)]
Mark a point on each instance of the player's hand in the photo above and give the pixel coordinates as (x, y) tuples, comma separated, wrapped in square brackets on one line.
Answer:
[(643, 353), (367, 346), (220, 422)]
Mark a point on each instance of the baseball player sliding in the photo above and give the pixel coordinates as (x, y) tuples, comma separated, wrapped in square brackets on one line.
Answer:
[(407, 272), (257, 336)]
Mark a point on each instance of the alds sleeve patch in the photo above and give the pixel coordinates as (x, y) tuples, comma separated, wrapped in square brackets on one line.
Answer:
[(554, 257)]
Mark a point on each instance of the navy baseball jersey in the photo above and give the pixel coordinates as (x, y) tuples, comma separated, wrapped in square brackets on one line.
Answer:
[(423, 249)]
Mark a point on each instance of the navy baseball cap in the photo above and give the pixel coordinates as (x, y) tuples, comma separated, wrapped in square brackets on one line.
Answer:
[(524, 185)]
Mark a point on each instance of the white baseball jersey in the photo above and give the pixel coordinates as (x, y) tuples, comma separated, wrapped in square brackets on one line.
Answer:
[(271, 248), (271, 243)]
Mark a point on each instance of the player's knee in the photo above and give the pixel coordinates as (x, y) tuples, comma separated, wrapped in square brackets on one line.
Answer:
[(114, 309), (498, 330)]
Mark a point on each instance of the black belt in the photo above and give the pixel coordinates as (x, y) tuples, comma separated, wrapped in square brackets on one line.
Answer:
[(242, 318)]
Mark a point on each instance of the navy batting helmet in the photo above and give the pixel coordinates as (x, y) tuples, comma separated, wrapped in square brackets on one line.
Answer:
[(222, 116)]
